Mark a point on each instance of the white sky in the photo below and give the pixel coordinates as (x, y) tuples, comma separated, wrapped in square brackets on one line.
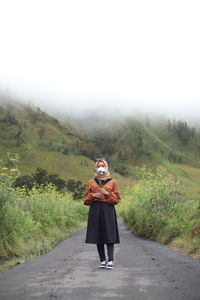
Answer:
[(143, 54)]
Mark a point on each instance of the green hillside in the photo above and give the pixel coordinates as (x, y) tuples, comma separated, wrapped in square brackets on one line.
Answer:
[(43, 141), (128, 142), (69, 147)]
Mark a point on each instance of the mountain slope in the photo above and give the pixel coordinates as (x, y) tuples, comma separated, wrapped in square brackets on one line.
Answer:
[(43, 141), (68, 148)]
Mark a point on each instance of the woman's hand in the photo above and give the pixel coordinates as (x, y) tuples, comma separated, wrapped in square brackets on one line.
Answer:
[(101, 194), (103, 191), (98, 195)]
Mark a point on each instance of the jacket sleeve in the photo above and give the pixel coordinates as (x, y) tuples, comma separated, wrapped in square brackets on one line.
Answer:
[(114, 196), (88, 195)]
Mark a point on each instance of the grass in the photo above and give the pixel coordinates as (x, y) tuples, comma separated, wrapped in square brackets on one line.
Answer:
[(189, 177), (156, 208), (32, 224), (60, 234)]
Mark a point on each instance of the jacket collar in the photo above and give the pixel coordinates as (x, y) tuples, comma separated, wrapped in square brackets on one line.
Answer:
[(103, 181)]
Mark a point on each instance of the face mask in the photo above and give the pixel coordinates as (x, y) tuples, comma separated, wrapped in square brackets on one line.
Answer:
[(101, 170)]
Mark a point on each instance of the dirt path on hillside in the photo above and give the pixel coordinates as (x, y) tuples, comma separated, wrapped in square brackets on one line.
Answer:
[(144, 270)]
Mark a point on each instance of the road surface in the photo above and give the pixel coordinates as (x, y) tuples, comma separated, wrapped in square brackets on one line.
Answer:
[(144, 270)]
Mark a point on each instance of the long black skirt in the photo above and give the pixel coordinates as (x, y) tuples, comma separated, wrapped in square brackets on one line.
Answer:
[(102, 227)]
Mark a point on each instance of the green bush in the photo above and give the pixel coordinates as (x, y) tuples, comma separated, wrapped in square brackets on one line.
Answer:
[(153, 202), (155, 210), (162, 193), (32, 223)]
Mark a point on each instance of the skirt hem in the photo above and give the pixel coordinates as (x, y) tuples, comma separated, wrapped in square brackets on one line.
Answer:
[(102, 242)]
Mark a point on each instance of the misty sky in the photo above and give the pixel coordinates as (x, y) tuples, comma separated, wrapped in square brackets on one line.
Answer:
[(142, 55)]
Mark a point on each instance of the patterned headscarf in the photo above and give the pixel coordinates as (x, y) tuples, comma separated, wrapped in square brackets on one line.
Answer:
[(104, 176)]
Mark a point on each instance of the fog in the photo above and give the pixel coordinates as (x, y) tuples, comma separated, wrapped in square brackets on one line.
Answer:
[(122, 57)]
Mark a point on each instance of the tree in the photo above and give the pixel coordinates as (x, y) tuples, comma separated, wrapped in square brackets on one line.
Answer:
[(76, 188), (24, 181), (182, 131), (41, 132), (40, 177), (88, 149), (19, 136)]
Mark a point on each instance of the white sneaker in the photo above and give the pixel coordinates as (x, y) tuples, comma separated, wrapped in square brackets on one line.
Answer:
[(110, 265), (102, 264)]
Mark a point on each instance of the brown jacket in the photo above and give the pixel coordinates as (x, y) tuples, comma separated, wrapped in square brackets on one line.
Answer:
[(92, 187)]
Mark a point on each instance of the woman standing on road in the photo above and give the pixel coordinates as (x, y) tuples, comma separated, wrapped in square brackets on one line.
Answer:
[(102, 194)]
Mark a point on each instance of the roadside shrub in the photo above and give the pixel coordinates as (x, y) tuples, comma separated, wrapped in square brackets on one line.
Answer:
[(11, 218), (34, 222), (153, 209), (153, 202)]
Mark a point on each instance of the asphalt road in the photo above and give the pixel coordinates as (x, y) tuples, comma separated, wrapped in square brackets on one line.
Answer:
[(144, 270)]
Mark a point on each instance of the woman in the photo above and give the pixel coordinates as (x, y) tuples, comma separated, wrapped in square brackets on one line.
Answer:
[(102, 194)]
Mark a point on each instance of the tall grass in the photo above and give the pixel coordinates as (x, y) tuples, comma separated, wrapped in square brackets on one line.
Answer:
[(33, 223), (154, 209)]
